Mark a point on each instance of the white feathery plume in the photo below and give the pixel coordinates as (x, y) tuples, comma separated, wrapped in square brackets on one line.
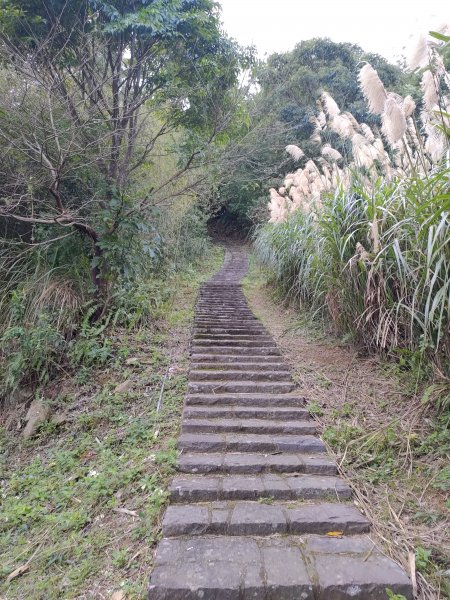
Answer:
[(378, 144), (367, 132), (331, 108), (342, 125), (298, 199), (409, 106), (373, 89), (295, 152), (278, 207), (351, 118), (362, 156), (435, 144), (282, 191), (394, 122), (288, 181), (310, 166), (359, 140), (430, 94), (330, 152), (420, 57)]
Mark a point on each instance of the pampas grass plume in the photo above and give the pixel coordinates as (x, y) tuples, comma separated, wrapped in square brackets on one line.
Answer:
[(330, 152), (295, 152), (373, 89), (420, 55), (430, 94), (409, 106), (394, 122), (331, 108)]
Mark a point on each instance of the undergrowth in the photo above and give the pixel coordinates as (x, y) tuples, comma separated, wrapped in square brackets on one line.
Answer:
[(391, 441), (81, 501)]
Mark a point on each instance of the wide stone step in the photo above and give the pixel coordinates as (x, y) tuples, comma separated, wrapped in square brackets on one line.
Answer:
[(238, 337), (309, 567), (242, 365), (255, 329), (247, 462), (213, 320), (245, 412), (260, 342), (212, 351), (271, 486), (240, 387), (249, 442), (256, 518), (234, 358), (261, 426), (245, 399), (237, 375)]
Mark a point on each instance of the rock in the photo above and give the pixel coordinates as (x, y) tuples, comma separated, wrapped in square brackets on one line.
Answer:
[(123, 387), (132, 361), (38, 413)]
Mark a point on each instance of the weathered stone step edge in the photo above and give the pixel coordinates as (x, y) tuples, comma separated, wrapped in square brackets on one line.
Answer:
[(237, 337), (245, 412), (235, 375), (245, 399), (260, 426), (251, 462), (221, 350), (246, 366), (309, 567), (234, 358), (249, 343), (222, 387), (250, 442), (209, 488), (255, 518)]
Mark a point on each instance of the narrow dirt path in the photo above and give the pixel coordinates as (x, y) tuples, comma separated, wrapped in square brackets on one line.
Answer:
[(257, 511)]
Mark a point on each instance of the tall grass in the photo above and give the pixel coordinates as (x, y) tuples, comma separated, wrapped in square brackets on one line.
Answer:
[(374, 264)]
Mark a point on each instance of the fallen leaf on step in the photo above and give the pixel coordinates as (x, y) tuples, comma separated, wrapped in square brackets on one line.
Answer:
[(335, 534), (17, 572)]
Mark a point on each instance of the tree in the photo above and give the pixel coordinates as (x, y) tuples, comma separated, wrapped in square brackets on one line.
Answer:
[(95, 88), (289, 85)]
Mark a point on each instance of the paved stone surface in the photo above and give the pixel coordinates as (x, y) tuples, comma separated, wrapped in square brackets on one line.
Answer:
[(256, 493)]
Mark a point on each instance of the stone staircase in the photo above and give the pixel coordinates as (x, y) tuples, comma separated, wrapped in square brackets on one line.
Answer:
[(257, 496)]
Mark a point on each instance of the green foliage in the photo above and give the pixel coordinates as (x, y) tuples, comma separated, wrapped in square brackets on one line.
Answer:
[(394, 298), (392, 596)]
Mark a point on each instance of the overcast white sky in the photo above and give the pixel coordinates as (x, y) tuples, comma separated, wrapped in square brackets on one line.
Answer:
[(388, 27)]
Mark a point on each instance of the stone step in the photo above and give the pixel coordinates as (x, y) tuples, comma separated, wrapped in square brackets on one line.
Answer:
[(255, 330), (234, 358), (214, 320), (249, 442), (248, 462), (261, 426), (247, 337), (210, 488), (237, 375), (245, 399), (263, 342), (242, 365), (240, 387), (245, 412), (309, 567), (256, 518), (212, 351)]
